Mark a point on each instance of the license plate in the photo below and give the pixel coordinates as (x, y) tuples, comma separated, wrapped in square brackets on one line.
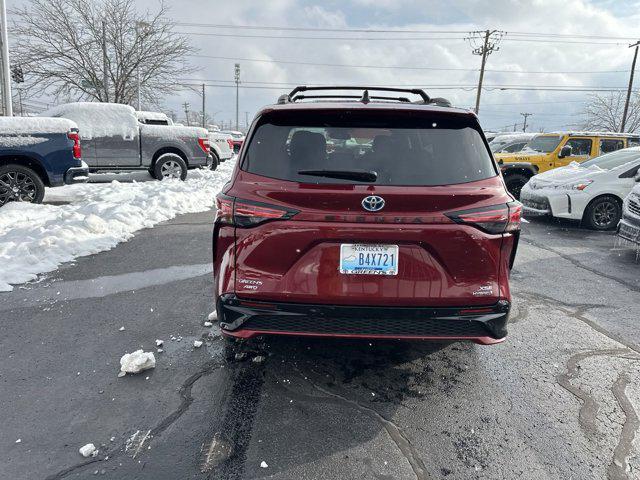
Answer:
[(357, 259)]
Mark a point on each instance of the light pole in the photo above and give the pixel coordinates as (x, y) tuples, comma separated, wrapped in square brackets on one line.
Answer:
[(6, 72), (237, 79)]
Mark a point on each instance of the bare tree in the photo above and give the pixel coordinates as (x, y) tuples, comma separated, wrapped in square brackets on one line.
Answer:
[(70, 48), (604, 113)]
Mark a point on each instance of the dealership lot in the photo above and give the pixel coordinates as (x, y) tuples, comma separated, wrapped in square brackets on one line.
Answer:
[(559, 399)]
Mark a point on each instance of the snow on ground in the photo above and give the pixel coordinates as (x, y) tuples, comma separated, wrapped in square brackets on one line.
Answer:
[(36, 239)]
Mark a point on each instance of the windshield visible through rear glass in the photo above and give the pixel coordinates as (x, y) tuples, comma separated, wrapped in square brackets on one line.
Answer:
[(418, 152), (544, 144)]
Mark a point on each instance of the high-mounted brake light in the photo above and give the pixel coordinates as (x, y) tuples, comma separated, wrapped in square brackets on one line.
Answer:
[(77, 149), (245, 213), (204, 145), (502, 218)]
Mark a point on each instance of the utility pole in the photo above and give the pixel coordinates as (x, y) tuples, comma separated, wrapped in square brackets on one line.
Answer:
[(6, 70), (203, 107), (105, 62), (237, 79), (524, 125), (186, 112), (140, 26), (484, 43), (626, 104)]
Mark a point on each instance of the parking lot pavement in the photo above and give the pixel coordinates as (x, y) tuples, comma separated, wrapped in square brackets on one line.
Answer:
[(560, 399)]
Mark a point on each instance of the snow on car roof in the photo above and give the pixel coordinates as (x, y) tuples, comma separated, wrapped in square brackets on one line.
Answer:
[(34, 125), (594, 134), (99, 119), (146, 115)]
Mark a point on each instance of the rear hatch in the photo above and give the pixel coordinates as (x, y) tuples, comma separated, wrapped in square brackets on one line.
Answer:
[(368, 207)]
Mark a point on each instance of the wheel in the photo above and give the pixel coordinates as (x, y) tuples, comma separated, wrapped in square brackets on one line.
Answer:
[(603, 213), (216, 160), (515, 182), (170, 165), (20, 184)]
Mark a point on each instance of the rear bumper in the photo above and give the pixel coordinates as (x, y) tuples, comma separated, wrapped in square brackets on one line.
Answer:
[(200, 162), (77, 174), (248, 318)]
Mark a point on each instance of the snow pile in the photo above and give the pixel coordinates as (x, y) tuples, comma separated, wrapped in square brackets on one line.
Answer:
[(29, 125), (99, 119), (173, 131), (38, 238), (136, 362), (88, 450), (145, 116)]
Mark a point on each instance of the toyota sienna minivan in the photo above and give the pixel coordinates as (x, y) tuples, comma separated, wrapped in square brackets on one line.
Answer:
[(364, 216)]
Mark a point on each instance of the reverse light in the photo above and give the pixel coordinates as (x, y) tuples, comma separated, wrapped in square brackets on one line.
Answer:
[(77, 149), (204, 145), (502, 218), (246, 213)]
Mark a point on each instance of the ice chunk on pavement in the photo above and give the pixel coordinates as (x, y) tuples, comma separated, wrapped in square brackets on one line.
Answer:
[(19, 440), (137, 361), (159, 343), (212, 316), (121, 329), (263, 464), (197, 343), (258, 359), (208, 324), (88, 450)]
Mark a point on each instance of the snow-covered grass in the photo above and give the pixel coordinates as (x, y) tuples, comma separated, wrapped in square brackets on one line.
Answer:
[(36, 239)]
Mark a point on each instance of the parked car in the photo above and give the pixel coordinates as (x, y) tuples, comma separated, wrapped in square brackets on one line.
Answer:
[(629, 226), (221, 144), (113, 139), (413, 239), (238, 139), (553, 150), (591, 191), (38, 152), (510, 142)]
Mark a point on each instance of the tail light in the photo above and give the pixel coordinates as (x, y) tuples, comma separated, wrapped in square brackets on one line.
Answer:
[(245, 213), (230, 142), (502, 218), (204, 145), (77, 149)]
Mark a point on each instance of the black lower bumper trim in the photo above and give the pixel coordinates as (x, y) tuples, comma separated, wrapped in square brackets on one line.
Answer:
[(76, 175), (460, 322)]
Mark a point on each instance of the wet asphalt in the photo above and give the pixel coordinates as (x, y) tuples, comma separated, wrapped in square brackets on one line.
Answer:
[(559, 400)]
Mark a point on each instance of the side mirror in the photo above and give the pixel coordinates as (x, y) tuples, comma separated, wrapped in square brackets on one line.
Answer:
[(565, 151)]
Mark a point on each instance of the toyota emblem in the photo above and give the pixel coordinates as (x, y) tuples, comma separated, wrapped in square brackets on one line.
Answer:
[(373, 203)]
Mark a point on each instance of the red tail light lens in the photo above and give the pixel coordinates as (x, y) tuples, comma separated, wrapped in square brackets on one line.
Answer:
[(204, 145), (501, 218), (230, 142), (77, 149), (245, 213)]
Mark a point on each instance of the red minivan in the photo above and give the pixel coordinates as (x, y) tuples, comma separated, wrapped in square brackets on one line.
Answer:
[(365, 216)]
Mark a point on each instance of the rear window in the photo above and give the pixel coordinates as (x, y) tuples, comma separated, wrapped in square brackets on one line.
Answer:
[(402, 149)]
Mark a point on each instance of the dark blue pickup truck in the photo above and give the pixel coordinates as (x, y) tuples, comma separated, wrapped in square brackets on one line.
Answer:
[(38, 152)]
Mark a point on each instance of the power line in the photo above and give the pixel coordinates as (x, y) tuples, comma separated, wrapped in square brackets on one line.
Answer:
[(488, 45), (403, 67), (396, 30)]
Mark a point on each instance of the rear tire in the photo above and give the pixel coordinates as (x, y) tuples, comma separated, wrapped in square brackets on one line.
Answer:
[(170, 165), (603, 213), (216, 160), (515, 182), (20, 184)]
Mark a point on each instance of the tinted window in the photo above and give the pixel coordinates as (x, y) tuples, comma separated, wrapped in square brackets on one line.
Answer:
[(613, 160), (544, 144), (580, 146), (514, 147), (401, 149), (609, 145)]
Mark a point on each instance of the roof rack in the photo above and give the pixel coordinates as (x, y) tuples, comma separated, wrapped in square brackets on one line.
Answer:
[(295, 96)]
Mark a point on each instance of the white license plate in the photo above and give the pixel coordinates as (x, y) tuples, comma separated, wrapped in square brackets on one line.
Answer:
[(358, 259)]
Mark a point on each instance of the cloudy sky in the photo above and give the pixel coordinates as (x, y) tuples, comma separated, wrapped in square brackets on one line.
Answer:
[(548, 44)]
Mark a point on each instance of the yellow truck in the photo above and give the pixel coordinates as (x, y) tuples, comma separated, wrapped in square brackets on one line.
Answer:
[(553, 150)]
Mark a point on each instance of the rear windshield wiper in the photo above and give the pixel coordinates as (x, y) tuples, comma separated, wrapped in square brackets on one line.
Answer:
[(356, 175)]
